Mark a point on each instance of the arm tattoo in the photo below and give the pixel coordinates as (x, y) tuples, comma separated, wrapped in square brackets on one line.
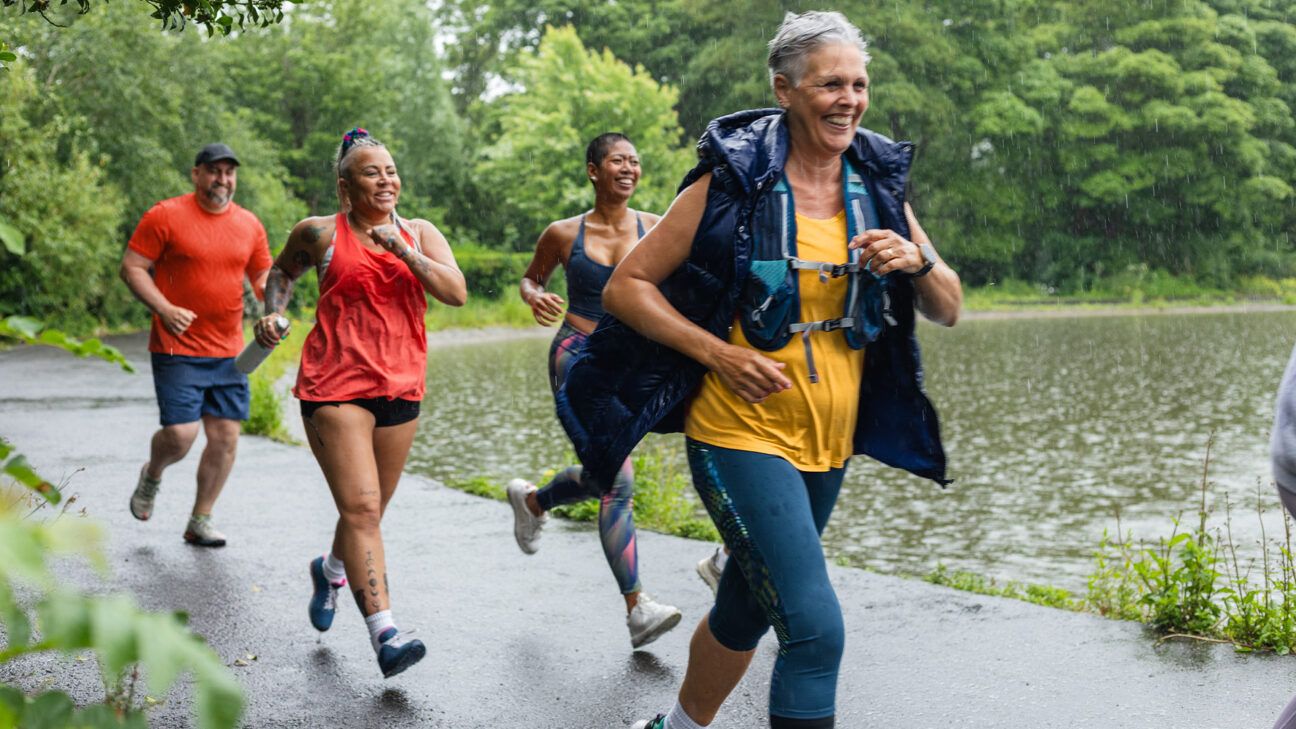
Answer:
[(301, 262), (279, 283), (418, 262), (278, 289)]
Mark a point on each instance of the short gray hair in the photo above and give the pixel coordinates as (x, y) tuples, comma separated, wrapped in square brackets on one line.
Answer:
[(800, 35)]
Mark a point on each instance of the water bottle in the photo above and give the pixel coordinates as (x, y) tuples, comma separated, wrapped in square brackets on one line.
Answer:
[(254, 354)]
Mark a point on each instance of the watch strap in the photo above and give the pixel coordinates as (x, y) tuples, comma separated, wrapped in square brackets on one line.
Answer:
[(929, 260)]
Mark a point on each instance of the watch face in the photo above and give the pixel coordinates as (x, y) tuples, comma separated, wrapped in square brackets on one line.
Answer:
[(928, 254)]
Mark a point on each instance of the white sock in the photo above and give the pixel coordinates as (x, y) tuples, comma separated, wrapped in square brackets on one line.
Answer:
[(678, 719), (377, 623), (334, 570), (721, 558)]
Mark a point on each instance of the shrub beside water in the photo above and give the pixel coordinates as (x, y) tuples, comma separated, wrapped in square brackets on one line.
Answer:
[(1191, 584), (1055, 597)]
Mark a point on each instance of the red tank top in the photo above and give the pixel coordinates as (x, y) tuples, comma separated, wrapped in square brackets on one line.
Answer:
[(369, 339)]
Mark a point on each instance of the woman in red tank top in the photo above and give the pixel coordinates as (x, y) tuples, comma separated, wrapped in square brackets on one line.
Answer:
[(362, 370)]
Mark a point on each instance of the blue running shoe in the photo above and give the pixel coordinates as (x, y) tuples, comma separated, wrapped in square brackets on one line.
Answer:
[(656, 723), (323, 602), (395, 654)]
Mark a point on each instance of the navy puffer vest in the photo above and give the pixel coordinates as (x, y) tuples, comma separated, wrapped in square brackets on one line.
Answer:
[(623, 385)]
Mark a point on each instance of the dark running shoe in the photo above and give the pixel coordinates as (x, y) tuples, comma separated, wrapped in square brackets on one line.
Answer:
[(323, 602), (656, 723), (395, 654)]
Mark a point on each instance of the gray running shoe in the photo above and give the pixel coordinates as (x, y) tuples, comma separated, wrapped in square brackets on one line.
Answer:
[(649, 619), (710, 568), (201, 533), (141, 502), (526, 526)]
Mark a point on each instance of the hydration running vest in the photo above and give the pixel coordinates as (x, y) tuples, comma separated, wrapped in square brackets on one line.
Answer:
[(769, 307)]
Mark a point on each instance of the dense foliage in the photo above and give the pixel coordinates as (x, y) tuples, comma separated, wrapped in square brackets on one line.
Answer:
[(1060, 143)]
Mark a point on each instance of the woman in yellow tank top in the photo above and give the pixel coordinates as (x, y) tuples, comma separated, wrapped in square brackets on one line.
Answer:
[(768, 440)]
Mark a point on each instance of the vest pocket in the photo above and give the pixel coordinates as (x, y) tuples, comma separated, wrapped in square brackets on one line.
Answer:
[(872, 311), (768, 303)]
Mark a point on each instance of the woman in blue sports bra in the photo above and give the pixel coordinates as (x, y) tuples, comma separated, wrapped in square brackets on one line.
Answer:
[(588, 246)]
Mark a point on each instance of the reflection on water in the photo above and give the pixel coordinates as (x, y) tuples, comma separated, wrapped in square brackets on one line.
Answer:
[(1051, 426)]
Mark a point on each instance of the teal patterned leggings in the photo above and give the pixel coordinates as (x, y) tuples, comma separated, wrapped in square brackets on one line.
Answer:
[(771, 517)]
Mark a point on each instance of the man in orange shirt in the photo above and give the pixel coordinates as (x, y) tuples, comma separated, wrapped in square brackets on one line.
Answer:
[(186, 262)]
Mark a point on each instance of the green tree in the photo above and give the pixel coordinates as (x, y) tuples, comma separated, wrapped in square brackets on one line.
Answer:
[(1151, 135), (95, 111), (490, 35), (221, 15), (306, 83), (141, 104), (536, 169), (65, 210)]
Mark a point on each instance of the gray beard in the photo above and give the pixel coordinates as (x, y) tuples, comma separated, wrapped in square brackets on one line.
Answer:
[(218, 196)]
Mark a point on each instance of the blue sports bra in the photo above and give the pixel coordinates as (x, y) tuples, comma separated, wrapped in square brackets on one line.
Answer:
[(586, 278)]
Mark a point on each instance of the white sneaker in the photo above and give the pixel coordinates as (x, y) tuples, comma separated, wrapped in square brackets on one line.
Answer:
[(711, 567), (141, 500), (526, 526), (649, 620), (202, 533)]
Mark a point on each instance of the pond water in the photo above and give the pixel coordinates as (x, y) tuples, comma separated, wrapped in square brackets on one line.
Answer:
[(1052, 426)]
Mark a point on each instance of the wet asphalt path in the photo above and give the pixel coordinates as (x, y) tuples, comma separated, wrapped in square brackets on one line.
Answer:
[(518, 642)]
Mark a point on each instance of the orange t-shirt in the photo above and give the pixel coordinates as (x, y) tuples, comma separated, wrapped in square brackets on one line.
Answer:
[(199, 262)]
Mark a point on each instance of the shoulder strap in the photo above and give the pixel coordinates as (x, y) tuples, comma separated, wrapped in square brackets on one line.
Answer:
[(579, 243), (408, 231)]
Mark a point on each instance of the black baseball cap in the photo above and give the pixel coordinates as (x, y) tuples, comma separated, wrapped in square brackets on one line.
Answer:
[(215, 152)]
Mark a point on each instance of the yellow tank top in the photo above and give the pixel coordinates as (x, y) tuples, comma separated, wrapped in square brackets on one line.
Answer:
[(812, 424)]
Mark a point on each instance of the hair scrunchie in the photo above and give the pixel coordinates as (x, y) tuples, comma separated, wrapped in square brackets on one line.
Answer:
[(349, 139)]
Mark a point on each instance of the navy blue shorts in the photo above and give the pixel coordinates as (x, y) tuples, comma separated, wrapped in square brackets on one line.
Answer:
[(190, 387)]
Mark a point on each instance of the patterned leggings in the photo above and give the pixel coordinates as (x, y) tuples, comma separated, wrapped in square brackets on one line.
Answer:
[(771, 516), (616, 505)]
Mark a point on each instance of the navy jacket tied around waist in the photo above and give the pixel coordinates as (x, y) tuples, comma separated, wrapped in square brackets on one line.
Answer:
[(624, 385)]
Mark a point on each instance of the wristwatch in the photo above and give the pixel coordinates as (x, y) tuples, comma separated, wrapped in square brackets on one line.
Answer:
[(928, 252)]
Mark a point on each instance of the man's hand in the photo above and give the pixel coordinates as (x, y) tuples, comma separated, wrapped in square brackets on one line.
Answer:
[(176, 319)]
